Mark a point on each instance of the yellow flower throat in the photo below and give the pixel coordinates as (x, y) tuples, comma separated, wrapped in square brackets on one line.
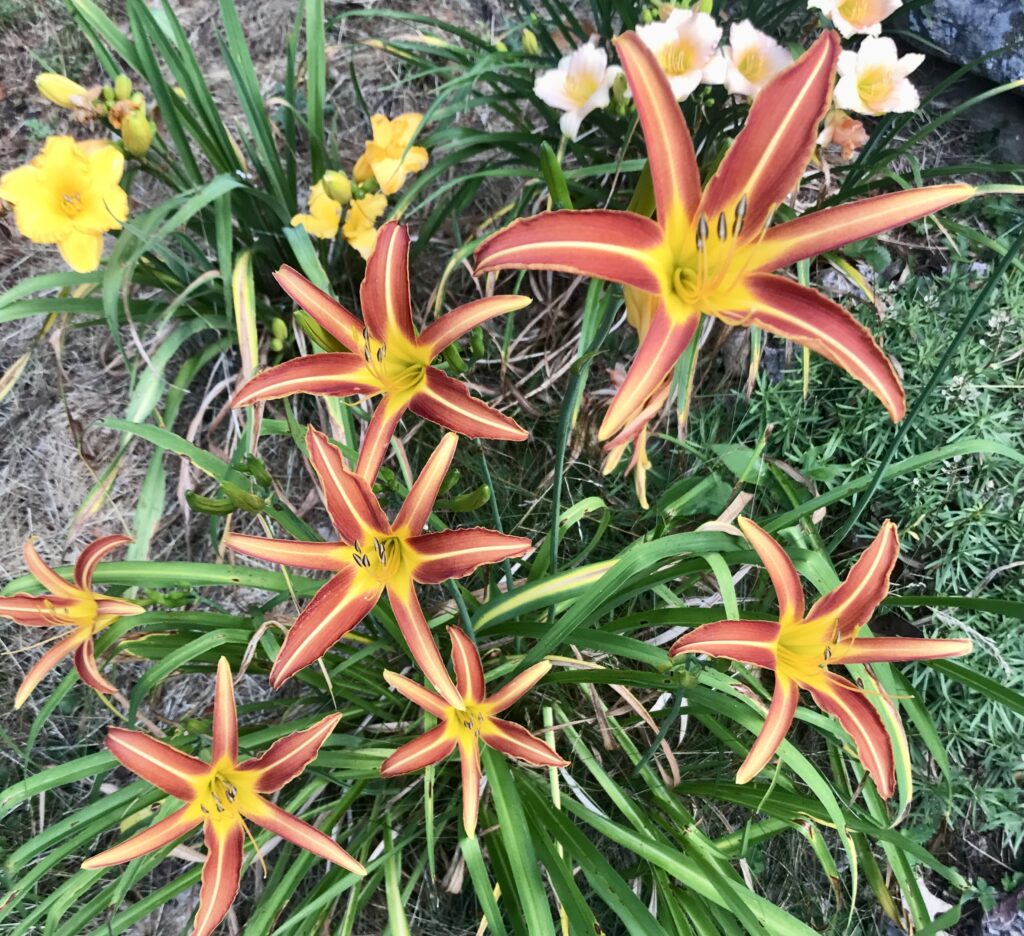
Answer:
[(398, 365)]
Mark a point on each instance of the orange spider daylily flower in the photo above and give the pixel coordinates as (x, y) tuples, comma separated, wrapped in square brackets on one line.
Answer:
[(70, 605), (386, 356), (374, 555), (712, 252), (221, 796), (467, 716), (801, 648)]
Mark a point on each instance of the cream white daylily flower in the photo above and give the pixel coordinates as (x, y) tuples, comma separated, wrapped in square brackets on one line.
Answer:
[(752, 58), (581, 84), (686, 47), (856, 17), (873, 80)]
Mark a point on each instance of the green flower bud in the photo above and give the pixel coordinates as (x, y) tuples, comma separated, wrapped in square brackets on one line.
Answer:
[(471, 500), (253, 467), (530, 44), (108, 94), (500, 46), (137, 133), (122, 87), (216, 506), (317, 333), (276, 344), (242, 499), (279, 328)]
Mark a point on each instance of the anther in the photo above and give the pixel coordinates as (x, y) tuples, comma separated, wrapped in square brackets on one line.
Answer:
[(380, 353), (723, 227), (366, 353), (366, 333), (702, 232), (741, 214)]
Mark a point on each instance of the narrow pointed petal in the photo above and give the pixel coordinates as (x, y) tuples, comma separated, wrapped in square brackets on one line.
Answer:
[(327, 556), (225, 718), (90, 557), (333, 373), (743, 641), (49, 579), (338, 607), (451, 326), (776, 724), (421, 752), (417, 694), (300, 833), (899, 650), (419, 503), (353, 507), (85, 663), (514, 740), (420, 642), (222, 872), (674, 169), (44, 665), (328, 313), (469, 753), (379, 433), (384, 293), (805, 316), (517, 687), (862, 722), (774, 147), (30, 610), (157, 763), (456, 553), (780, 569), (156, 836), (119, 607), (447, 402), (661, 347), (287, 757), (611, 245), (469, 671), (867, 583), (821, 231)]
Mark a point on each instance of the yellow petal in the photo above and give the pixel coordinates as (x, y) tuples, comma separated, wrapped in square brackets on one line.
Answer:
[(82, 251), (59, 90)]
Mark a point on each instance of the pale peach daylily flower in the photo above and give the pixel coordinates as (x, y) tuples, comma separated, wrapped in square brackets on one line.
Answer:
[(686, 47), (752, 59), (843, 131), (856, 17), (581, 84), (873, 80)]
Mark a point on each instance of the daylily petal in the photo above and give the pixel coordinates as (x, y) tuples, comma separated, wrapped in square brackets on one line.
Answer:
[(420, 642), (899, 650), (780, 569), (447, 402), (225, 719), (119, 607), (327, 556), (89, 557), (49, 579), (803, 315), (157, 763), (862, 722), (774, 147), (327, 312), (661, 347), (300, 833), (287, 757), (451, 326), (419, 502), (517, 687), (674, 171), (354, 510), (85, 663), (378, 437), (222, 872), (384, 292), (853, 602), (417, 694), (514, 740), (156, 836), (421, 752), (43, 665), (469, 754), (469, 671), (456, 553), (30, 610), (338, 607), (821, 231), (332, 373), (609, 245), (743, 641), (776, 724)]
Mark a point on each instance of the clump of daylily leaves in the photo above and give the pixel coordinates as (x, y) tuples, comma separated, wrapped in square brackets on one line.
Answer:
[(709, 250)]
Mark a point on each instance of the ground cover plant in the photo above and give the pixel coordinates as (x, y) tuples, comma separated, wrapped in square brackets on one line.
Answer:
[(439, 662)]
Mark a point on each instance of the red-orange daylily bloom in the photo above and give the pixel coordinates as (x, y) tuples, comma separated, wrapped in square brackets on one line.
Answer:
[(712, 252), (468, 716), (801, 648), (374, 555), (386, 356), (221, 796), (70, 605)]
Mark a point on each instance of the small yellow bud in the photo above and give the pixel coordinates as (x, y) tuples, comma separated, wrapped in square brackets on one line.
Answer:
[(500, 46), (137, 133), (122, 87), (138, 99), (338, 186), (530, 44), (60, 90)]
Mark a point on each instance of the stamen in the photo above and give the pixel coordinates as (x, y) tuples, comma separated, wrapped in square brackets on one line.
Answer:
[(366, 333), (380, 353), (366, 353), (723, 227), (702, 233)]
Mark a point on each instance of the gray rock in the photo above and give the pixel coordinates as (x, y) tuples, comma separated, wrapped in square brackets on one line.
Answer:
[(966, 29)]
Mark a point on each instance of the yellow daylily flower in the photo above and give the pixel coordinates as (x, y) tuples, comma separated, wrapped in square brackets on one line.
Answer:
[(360, 223), (69, 195), (324, 216), (388, 157)]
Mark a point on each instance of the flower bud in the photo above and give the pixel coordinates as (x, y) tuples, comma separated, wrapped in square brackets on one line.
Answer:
[(59, 90), (137, 133), (108, 94), (278, 328), (138, 99), (530, 44), (122, 87), (338, 186), (500, 46), (276, 344)]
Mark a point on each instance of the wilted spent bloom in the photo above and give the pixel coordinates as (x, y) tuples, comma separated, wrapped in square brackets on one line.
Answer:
[(388, 157), (686, 47), (69, 195), (873, 80), (843, 131), (752, 59), (581, 84), (324, 215), (851, 17), (360, 228)]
